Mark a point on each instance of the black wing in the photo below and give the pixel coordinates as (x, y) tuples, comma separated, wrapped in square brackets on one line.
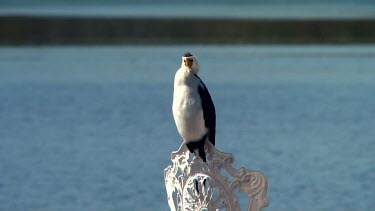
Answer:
[(209, 113)]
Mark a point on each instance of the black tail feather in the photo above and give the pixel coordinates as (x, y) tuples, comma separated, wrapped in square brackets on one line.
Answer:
[(192, 146)]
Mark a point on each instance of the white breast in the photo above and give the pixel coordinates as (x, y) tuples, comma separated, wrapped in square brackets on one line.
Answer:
[(187, 107)]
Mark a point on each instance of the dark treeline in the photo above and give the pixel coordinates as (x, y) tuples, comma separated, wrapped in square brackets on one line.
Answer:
[(46, 30)]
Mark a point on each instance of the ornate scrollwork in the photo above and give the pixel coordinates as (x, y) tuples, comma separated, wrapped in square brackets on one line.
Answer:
[(200, 186)]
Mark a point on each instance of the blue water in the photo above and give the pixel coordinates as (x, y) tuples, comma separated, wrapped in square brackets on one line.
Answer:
[(199, 11), (253, 2), (91, 129), (343, 9)]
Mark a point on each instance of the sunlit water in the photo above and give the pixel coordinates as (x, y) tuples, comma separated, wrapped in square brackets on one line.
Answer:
[(91, 129)]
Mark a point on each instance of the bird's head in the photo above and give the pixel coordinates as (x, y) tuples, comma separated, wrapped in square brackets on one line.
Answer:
[(189, 61)]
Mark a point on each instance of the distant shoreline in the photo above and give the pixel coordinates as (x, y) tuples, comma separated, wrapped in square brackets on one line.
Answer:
[(87, 30)]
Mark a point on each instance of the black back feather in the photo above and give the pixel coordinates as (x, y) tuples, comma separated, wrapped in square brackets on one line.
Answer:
[(209, 112)]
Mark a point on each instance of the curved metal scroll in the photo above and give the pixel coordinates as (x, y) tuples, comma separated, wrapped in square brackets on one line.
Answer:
[(199, 186)]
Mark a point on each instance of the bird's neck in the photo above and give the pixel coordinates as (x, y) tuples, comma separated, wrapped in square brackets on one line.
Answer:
[(189, 70)]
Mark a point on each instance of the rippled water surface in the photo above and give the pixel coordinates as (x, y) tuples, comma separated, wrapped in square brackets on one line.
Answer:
[(90, 128)]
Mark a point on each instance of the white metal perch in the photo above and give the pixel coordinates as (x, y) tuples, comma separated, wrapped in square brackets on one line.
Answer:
[(198, 186)]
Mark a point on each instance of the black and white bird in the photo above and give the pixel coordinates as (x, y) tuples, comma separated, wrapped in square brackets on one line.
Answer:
[(193, 109)]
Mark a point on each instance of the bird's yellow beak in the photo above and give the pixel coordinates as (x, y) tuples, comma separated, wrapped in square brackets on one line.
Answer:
[(188, 62)]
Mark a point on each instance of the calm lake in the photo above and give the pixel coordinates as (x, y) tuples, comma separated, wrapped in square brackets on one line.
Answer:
[(91, 128)]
